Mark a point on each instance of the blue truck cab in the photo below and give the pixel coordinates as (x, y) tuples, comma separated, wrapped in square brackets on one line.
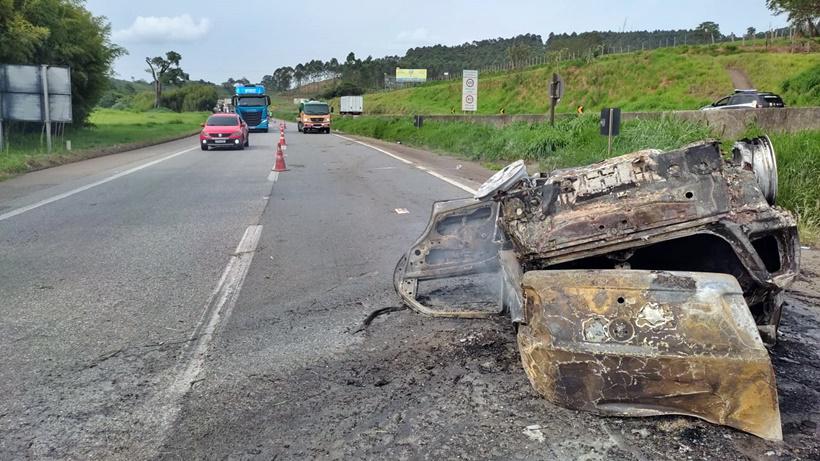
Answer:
[(251, 103)]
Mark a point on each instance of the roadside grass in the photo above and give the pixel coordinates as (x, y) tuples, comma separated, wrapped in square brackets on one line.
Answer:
[(663, 79), (108, 129), (577, 142), (798, 171)]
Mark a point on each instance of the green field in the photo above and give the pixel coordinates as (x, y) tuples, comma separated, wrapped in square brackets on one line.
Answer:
[(107, 130), (663, 79), (577, 142)]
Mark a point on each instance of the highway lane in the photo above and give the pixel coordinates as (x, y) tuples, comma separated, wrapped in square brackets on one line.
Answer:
[(102, 288), (196, 309)]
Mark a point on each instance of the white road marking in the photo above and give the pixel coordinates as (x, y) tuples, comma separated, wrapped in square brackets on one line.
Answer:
[(21, 210), (402, 211), (376, 148), (273, 176), (217, 311), (450, 181)]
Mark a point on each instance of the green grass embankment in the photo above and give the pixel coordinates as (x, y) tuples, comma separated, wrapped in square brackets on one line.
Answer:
[(108, 130), (578, 142), (663, 79)]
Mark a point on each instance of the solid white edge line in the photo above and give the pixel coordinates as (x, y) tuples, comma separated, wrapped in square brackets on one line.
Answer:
[(21, 210), (376, 148), (450, 181)]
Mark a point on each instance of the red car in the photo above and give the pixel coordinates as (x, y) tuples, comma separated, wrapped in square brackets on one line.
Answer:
[(224, 130)]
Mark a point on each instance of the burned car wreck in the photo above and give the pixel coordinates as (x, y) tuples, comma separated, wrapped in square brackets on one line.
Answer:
[(645, 284)]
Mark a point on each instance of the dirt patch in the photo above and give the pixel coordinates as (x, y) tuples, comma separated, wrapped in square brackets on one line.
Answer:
[(739, 78)]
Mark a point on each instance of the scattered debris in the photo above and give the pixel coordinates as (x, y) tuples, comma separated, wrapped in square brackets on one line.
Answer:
[(534, 433), (642, 285), (642, 432), (402, 211)]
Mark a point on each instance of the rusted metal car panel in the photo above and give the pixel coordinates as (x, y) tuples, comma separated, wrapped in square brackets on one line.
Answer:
[(639, 343), (687, 212)]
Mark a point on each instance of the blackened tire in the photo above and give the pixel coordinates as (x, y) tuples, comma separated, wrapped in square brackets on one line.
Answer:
[(203, 146)]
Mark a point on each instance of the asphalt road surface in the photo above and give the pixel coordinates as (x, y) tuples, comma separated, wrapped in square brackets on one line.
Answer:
[(170, 303)]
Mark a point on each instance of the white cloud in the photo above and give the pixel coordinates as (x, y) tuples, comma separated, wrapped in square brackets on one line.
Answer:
[(153, 29), (419, 36)]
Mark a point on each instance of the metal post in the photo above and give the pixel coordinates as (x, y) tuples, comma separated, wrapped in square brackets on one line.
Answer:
[(553, 89), (46, 113), (609, 138)]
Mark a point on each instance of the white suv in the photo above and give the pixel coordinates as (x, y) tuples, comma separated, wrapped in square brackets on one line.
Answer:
[(746, 99)]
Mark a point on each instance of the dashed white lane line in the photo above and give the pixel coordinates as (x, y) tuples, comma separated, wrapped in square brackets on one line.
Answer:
[(450, 181), (55, 198), (217, 311), (273, 176)]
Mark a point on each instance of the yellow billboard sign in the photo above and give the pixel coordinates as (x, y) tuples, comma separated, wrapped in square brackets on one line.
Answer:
[(411, 75)]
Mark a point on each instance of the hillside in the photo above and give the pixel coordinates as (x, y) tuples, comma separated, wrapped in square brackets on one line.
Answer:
[(683, 77)]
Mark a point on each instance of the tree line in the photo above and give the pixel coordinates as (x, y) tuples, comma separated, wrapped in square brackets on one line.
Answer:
[(357, 74)]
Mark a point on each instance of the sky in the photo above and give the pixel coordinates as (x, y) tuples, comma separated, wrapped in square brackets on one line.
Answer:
[(251, 38)]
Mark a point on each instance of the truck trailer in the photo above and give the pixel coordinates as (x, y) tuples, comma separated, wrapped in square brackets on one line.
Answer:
[(351, 105)]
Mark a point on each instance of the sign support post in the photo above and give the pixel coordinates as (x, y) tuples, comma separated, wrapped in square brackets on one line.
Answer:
[(556, 93), (609, 137), (610, 125), (46, 114)]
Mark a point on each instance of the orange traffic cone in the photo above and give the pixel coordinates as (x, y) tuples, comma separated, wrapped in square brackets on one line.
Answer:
[(280, 160), (282, 140)]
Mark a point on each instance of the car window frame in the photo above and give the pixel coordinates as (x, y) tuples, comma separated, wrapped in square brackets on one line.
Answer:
[(718, 104)]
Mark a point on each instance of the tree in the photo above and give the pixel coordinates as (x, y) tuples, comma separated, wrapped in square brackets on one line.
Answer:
[(165, 71), (750, 32), (518, 54), (60, 33), (801, 13), (709, 30)]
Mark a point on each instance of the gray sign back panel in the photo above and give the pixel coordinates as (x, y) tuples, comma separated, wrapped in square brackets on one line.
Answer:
[(59, 107), (23, 79), (23, 107), (21, 93), (59, 80)]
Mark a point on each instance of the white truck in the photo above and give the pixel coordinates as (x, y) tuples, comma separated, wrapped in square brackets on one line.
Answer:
[(351, 105)]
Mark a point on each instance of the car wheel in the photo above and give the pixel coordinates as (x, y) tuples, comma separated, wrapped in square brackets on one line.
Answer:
[(247, 141), (203, 147)]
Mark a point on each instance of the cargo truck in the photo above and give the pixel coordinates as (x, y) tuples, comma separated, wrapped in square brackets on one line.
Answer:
[(251, 103), (351, 105), (314, 116)]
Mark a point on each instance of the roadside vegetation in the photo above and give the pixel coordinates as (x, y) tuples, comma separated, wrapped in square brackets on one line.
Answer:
[(577, 142), (108, 131)]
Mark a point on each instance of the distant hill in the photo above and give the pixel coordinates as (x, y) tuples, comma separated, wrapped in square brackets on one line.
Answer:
[(369, 73), (684, 77)]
